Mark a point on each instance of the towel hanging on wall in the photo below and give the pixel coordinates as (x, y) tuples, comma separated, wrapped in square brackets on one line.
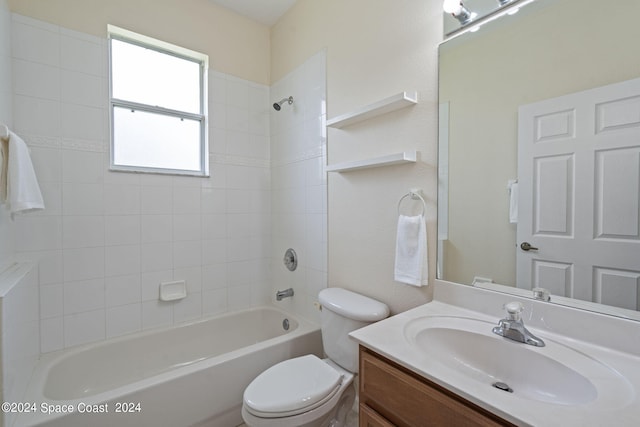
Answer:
[(411, 251), (22, 189)]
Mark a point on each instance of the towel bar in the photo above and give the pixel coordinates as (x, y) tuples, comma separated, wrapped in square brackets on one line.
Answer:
[(415, 195)]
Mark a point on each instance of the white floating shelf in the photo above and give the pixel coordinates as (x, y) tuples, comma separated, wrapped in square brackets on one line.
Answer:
[(391, 159), (387, 105)]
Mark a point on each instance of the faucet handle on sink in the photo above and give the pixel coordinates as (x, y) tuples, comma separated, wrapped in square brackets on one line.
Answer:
[(514, 309)]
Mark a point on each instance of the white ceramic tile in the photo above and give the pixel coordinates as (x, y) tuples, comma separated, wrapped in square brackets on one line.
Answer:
[(186, 200), (82, 199), (192, 276), (52, 197), (38, 233), (260, 146), (121, 199), (156, 228), (214, 226), (51, 334), (83, 122), (35, 42), (217, 115), (217, 87), (156, 256), (51, 301), (36, 80), (156, 200), (238, 143), (189, 308), (34, 116), (239, 297), (122, 230), (214, 302), (242, 272), (187, 227), (82, 231), (156, 314), (47, 164), (213, 200), (122, 260), (237, 118), (217, 140), (82, 89), (238, 201), (124, 319), (214, 251), (50, 265), (237, 94), (218, 172), (84, 263), (122, 290), (151, 283), (82, 328), (85, 295), (259, 98), (214, 277), (82, 55), (187, 254)]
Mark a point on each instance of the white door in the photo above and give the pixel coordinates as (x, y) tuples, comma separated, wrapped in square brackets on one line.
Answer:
[(579, 195)]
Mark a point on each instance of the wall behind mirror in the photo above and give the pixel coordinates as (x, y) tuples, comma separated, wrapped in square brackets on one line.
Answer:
[(549, 49)]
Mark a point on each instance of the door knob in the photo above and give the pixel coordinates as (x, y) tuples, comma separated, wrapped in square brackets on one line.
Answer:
[(526, 246)]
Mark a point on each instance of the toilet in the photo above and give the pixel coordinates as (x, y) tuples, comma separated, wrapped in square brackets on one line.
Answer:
[(308, 391)]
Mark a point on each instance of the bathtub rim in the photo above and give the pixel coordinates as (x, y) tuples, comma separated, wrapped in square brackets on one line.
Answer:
[(35, 388)]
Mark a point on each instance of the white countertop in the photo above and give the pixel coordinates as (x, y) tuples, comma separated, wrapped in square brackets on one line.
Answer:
[(388, 338)]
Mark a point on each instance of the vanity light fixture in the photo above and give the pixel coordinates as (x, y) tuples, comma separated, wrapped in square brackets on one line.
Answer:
[(457, 9)]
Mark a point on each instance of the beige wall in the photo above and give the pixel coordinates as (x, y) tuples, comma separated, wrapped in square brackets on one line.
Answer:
[(235, 45), (374, 50), (550, 53)]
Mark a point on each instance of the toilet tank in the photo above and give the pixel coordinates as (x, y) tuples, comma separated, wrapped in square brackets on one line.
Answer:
[(344, 311)]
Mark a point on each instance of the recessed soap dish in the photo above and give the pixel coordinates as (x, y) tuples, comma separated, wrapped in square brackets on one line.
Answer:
[(171, 291)]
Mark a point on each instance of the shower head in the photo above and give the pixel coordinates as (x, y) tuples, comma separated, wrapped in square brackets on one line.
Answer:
[(278, 105)]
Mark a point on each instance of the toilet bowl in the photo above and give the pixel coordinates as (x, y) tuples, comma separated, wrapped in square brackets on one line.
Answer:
[(308, 391), (305, 391)]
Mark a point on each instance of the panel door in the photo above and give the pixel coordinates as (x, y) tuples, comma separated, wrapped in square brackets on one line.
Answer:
[(579, 195)]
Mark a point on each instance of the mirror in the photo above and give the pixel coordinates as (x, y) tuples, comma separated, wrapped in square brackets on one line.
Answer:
[(549, 49)]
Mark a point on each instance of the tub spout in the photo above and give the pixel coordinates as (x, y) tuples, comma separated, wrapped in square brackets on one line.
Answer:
[(284, 294)]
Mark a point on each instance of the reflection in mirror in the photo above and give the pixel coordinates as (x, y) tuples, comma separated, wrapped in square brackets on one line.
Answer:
[(459, 14), (545, 56)]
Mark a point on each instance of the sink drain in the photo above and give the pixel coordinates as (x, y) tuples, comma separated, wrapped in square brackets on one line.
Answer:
[(502, 386)]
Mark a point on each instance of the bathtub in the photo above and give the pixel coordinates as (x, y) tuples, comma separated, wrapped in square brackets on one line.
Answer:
[(189, 375)]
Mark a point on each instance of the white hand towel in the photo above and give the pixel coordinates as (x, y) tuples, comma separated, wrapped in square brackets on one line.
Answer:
[(411, 251), (23, 191), (513, 203)]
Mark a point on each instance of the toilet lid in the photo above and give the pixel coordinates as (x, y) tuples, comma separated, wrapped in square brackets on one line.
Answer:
[(291, 386)]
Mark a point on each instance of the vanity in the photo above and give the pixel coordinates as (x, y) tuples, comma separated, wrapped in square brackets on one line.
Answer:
[(562, 215), (440, 364)]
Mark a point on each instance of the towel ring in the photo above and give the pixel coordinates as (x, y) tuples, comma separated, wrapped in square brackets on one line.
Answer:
[(414, 196)]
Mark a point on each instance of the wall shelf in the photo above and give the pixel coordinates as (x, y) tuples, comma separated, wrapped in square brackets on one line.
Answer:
[(391, 159), (387, 105)]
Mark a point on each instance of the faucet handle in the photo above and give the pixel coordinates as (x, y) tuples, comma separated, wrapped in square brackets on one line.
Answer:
[(514, 309)]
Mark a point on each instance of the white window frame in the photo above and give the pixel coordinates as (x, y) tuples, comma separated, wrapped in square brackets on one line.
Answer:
[(177, 51)]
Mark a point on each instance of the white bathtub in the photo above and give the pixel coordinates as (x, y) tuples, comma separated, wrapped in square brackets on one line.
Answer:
[(192, 374)]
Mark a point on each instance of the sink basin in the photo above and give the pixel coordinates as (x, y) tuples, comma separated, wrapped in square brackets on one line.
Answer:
[(553, 374)]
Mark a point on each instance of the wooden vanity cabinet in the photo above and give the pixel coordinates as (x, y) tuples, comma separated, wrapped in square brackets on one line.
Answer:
[(391, 395)]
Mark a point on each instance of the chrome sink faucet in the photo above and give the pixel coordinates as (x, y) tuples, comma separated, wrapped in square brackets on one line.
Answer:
[(513, 328)]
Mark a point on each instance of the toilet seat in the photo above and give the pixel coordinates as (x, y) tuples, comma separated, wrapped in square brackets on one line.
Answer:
[(292, 387)]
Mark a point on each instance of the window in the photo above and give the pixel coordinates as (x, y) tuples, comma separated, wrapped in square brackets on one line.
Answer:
[(158, 106)]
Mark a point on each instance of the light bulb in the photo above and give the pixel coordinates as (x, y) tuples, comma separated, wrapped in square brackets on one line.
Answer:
[(452, 6)]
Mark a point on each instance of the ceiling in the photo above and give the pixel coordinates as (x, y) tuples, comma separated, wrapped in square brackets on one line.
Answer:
[(264, 11)]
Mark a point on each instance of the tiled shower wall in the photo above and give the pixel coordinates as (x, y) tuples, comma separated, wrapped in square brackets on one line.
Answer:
[(299, 184), (107, 239), (7, 247)]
